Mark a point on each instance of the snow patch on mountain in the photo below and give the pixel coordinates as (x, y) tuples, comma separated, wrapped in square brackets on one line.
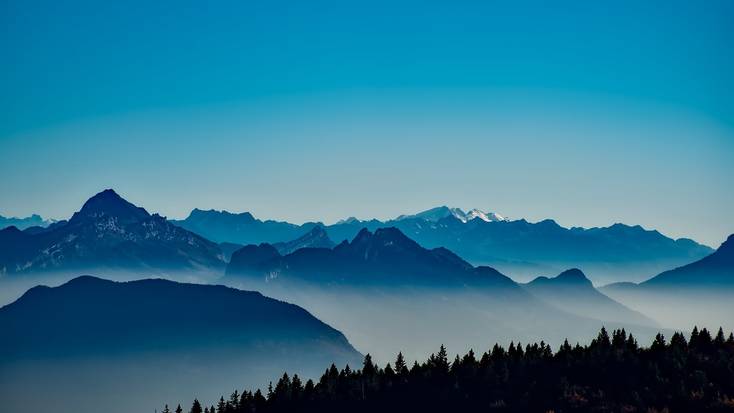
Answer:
[(439, 213)]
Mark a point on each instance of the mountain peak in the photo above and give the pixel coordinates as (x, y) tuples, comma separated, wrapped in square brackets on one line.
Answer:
[(438, 213), (573, 275), (109, 203), (314, 238), (350, 220)]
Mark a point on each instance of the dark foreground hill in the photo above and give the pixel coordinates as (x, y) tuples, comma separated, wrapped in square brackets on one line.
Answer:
[(611, 374), (90, 339)]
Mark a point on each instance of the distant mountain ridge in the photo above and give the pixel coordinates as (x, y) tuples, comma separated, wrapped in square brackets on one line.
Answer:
[(385, 256), (698, 293), (439, 213), (34, 220), (517, 247), (573, 292), (316, 238), (107, 232), (241, 228), (386, 291), (713, 270)]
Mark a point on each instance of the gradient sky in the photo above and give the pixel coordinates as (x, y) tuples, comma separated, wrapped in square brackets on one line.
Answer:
[(586, 112)]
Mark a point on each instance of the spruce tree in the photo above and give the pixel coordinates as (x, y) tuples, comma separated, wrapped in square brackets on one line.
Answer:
[(368, 368), (196, 407), (400, 366)]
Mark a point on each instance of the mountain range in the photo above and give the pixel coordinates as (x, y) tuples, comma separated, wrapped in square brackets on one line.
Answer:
[(315, 238), (89, 339), (698, 293), (23, 223), (380, 282), (571, 291), (715, 270), (518, 247), (111, 233), (385, 257)]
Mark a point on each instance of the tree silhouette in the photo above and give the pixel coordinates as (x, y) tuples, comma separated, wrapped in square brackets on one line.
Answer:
[(612, 373)]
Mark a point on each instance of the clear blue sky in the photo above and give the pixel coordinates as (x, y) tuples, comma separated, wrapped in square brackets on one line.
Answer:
[(586, 112)]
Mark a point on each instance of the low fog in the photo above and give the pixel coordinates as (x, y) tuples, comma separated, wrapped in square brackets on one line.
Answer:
[(375, 320)]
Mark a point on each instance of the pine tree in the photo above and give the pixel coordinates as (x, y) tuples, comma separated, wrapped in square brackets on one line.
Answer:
[(179, 409), (283, 388), (389, 372), (602, 340), (693, 341), (659, 343), (442, 360), (258, 400), (368, 368), (400, 366), (234, 401), (166, 409), (196, 407), (631, 343), (678, 341), (296, 387), (308, 390), (720, 340)]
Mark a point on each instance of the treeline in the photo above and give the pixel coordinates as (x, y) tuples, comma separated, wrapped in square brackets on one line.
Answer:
[(611, 374)]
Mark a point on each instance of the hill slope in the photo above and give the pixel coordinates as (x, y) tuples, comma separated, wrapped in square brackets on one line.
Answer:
[(715, 270), (92, 337), (389, 294), (571, 291)]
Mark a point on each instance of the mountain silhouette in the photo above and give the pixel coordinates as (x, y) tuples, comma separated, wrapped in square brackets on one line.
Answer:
[(34, 220), (316, 238), (516, 247), (571, 291), (385, 256), (108, 232), (97, 316), (88, 338), (523, 248), (242, 228), (698, 293), (715, 270), (389, 294)]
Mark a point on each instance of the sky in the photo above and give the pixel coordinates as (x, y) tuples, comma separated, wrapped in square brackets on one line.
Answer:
[(589, 113)]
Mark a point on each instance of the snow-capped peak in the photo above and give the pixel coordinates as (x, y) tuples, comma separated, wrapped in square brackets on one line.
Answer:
[(484, 216), (436, 214)]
